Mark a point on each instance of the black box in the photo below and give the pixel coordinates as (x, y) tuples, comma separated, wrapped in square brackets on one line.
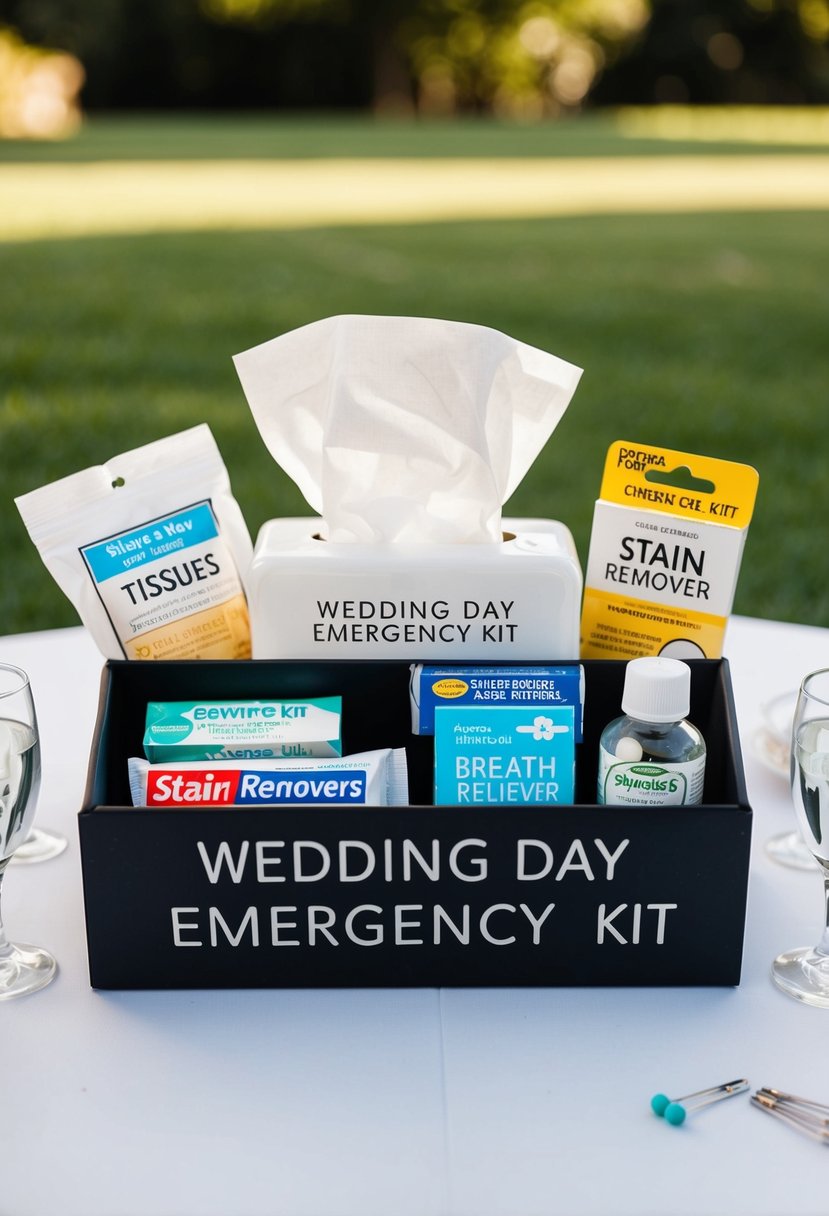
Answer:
[(445, 903)]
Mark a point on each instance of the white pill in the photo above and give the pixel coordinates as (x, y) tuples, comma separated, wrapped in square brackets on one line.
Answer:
[(628, 749)]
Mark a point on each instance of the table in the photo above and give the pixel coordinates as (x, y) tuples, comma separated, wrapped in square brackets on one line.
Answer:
[(475, 1102)]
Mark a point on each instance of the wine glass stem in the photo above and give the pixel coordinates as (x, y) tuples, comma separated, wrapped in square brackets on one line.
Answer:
[(4, 945), (823, 945)]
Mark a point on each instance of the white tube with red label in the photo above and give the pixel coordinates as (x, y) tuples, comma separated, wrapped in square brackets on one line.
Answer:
[(376, 778)]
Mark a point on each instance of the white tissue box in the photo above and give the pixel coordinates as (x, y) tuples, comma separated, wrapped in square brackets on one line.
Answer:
[(313, 599)]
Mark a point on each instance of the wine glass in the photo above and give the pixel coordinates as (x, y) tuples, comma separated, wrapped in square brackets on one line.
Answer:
[(40, 845), (804, 973), (790, 849), (773, 747), (22, 968)]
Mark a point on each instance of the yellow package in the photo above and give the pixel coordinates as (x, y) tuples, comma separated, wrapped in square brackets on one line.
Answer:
[(665, 550)]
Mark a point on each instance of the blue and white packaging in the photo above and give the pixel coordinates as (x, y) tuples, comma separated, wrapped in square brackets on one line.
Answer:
[(504, 755), (539, 686), (242, 730), (151, 548)]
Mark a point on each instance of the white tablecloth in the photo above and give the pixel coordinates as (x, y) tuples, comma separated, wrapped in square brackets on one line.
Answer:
[(510, 1102)]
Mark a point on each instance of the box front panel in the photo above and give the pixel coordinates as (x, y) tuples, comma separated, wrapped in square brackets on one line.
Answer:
[(431, 896)]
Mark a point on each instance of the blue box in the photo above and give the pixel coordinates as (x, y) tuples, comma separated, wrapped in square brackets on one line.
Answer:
[(481, 685), (504, 755)]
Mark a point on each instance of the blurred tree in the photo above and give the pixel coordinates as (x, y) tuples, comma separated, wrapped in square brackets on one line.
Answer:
[(725, 51), (522, 58), (167, 54), (38, 90), (525, 59)]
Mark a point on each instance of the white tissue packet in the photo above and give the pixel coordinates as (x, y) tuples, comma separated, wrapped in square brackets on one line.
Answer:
[(405, 429), (150, 548)]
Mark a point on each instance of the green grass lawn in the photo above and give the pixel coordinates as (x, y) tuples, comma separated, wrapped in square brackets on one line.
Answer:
[(262, 136), (705, 332)]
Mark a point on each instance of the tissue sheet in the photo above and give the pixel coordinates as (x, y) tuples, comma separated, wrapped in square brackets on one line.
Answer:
[(405, 429)]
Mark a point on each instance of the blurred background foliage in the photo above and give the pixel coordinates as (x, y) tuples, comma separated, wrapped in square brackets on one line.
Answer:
[(138, 255), (517, 60), (39, 90)]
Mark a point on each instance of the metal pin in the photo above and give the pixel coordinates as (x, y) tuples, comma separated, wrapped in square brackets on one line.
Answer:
[(793, 1114), (793, 1100), (673, 1111), (801, 1113)]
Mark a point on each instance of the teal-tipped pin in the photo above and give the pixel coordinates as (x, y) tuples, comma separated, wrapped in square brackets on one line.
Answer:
[(673, 1112)]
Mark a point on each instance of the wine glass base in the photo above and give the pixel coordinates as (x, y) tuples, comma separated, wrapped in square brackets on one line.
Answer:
[(39, 845), (25, 969), (804, 975), (789, 849)]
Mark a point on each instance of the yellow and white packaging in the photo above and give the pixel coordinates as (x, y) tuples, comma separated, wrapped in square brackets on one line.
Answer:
[(150, 548), (406, 435), (665, 550)]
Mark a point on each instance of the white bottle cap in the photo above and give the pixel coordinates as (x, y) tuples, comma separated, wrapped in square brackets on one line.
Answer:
[(657, 690)]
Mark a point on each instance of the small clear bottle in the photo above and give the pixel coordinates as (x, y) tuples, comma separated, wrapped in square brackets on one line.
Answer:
[(652, 756)]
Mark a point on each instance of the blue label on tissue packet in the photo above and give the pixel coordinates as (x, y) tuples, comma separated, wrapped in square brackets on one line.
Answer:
[(161, 537), (502, 755)]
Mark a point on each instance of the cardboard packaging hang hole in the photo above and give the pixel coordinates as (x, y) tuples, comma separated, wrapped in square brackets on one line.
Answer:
[(313, 598)]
